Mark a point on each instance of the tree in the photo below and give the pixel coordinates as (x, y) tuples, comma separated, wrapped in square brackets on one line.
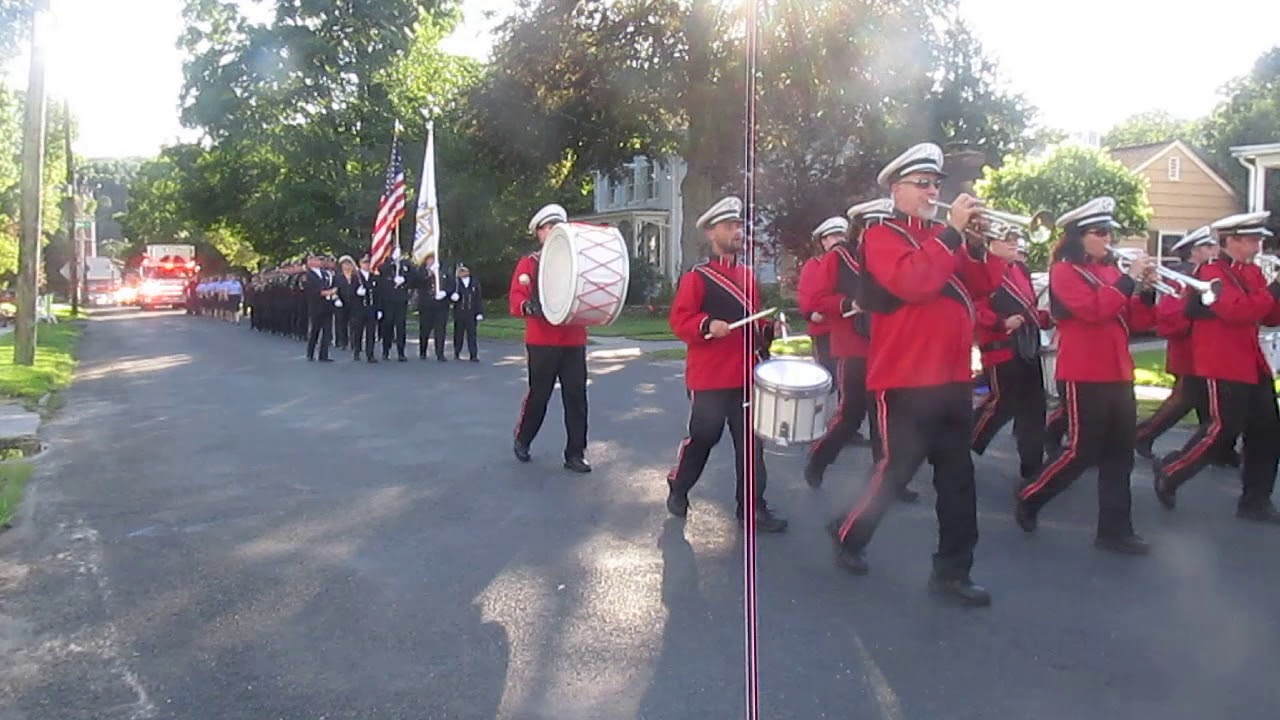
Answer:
[(15, 26), (1064, 179), (1249, 114), (1152, 126)]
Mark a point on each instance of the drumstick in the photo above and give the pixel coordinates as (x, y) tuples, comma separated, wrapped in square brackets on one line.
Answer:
[(750, 318)]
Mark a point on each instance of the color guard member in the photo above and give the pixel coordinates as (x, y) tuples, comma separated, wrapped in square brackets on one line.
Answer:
[(1238, 390), (1096, 306), (555, 352), (918, 282), (709, 296)]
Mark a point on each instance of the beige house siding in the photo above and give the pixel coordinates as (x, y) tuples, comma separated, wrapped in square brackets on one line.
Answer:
[(1196, 197)]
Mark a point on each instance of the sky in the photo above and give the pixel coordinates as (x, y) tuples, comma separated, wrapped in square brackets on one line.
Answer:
[(1085, 64)]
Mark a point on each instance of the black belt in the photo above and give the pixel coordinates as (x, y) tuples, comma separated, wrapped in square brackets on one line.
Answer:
[(998, 345)]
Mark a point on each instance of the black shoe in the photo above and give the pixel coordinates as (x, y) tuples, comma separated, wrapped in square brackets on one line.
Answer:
[(326, 359), (311, 358), (402, 359), (521, 450), (442, 358), (457, 356), (1131, 545), (475, 359), (907, 495), (371, 359), (961, 591), (766, 521), (1025, 516), (1029, 472), (386, 356), (677, 503), (576, 464), (813, 476), (1160, 482), (852, 561), (1259, 513)]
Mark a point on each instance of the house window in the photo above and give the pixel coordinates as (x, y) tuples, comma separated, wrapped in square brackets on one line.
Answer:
[(1175, 169), (1167, 241), (651, 180)]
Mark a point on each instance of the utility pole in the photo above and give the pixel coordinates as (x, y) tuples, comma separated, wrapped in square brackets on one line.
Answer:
[(24, 331), (73, 210)]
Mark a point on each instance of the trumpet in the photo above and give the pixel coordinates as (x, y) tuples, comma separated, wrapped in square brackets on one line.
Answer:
[(1036, 228), (1208, 290), (1270, 265)]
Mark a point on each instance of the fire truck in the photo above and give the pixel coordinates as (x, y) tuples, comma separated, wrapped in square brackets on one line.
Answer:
[(166, 271)]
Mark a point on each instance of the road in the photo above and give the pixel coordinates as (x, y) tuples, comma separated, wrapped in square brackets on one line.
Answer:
[(223, 530)]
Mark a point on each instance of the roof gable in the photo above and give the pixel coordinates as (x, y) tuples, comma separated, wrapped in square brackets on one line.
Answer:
[(1139, 157)]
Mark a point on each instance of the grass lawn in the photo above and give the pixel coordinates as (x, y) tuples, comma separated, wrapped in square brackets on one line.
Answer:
[(13, 479), (55, 362), (1148, 369), (794, 345)]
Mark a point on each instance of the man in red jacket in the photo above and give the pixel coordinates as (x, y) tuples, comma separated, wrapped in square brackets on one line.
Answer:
[(1095, 306), (918, 284), (1238, 388), (819, 325), (555, 352), (1008, 333), (720, 363), (1172, 324)]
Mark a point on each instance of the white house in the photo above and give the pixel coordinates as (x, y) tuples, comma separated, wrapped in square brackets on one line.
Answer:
[(645, 204), (1258, 159)]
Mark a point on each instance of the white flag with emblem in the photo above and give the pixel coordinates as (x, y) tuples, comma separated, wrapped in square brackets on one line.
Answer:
[(426, 234)]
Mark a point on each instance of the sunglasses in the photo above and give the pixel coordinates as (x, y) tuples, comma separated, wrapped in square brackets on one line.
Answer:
[(1099, 232), (924, 183)]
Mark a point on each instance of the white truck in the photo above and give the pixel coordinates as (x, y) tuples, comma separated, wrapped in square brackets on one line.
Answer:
[(101, 281), (166, 271)]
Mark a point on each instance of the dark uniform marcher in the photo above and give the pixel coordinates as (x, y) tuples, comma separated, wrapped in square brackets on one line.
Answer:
[(468, 310), (362, 298), (393, 299), (343, 306), (711, 295), (1233, 379), (918, 281), (320, 292), (1096, 307), (555, 352), (1008, 332), (433, 305)]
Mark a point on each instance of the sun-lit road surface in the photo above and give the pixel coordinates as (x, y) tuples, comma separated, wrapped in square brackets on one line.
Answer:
[(223, 530)]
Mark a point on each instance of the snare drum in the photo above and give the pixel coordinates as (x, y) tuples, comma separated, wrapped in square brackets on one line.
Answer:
[(789, 400), (583, 274)]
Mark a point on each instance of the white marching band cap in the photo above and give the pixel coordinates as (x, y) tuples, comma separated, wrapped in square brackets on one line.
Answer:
[(871, 209), (729, 208), (1200, 236), (548, 213), (1098, 211), (1254, 223), (346, 258), (831, 226), (925, 157)]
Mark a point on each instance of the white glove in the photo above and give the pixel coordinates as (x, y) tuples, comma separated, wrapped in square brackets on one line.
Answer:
[(479, 317), (360, 291), (399, 281), (454, 297), (439, 295), (337, 303), (379, 314)]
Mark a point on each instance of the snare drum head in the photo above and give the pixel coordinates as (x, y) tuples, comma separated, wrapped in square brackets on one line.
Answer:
[(557, 275), (792, 374)]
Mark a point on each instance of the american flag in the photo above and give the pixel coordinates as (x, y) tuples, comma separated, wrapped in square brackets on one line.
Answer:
[(390, 208)]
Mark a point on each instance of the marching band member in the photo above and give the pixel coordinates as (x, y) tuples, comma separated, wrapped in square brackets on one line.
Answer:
[(1095, 306), (709, 296), (837, 293), (1238, 390), (1172, 324), (555, 352), (1009, 326), (919, 277), (819, 325)]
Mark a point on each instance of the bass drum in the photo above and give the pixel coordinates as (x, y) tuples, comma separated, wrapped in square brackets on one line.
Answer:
[(583, 275)]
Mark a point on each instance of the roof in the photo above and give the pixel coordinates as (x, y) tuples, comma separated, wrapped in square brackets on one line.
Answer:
[(1252, 151), (1139, 157)]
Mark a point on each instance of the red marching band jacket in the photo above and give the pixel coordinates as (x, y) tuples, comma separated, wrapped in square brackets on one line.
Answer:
[(537, 331), (1096, 308), (719, 289), (1015, 295), (806, 297), (1224, 335), (919, 282), (837, 291), (1174, 326)]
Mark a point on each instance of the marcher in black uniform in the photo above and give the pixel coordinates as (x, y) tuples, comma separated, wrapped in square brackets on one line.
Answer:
[(361, 297), (468, 309), (341, 306), (433, 305), (393, 297), (320, 291)]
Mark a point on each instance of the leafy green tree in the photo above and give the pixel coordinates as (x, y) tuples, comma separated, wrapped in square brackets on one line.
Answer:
[(1064, 179), (1248, 115), (1149, 127), (15, 26)]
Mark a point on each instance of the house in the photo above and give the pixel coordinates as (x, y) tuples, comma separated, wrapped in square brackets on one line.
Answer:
[(645, 205), (1258, 159), (1183, 190)]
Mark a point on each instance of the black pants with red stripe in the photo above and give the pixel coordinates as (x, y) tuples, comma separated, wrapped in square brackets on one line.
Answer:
[(1017, 393), (912, 425), (548, 363), (851, 379), (710, 411), (822, 353), (1100, 422), (1232, 408), (1181, 401)]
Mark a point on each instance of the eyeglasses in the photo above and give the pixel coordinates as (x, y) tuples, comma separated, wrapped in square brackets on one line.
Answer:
[(923, 183)]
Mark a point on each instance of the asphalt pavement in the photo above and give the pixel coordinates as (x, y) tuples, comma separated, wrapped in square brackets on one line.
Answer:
[(220, 529)]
